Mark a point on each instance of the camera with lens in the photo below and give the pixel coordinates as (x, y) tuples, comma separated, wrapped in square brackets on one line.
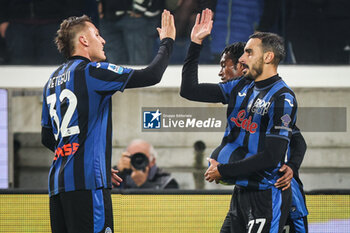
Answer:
[(139, 161)]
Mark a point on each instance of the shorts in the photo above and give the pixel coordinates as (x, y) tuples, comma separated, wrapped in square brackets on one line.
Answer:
[(88, 211), (297, 219), (253, 211), (296, 225)]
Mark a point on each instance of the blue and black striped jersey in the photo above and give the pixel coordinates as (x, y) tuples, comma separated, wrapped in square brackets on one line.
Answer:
[(256, 110), (77, 108), (298, 209)]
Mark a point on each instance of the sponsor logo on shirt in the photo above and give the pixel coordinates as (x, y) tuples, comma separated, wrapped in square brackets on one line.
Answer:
[(66, 150), (260, 107), (245, 123)]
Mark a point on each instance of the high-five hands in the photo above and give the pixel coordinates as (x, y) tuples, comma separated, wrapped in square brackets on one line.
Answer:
[(202, 28), (167, 26)]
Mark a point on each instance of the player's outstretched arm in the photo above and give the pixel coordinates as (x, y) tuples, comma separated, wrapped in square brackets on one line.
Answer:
[(153, 73), (190, 88)]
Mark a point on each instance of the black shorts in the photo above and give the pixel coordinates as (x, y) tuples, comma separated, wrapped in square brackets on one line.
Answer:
[(257, 211), (87, 211)]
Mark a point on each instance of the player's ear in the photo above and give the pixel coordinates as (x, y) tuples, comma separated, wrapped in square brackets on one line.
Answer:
[(268, 57), (83, 40)]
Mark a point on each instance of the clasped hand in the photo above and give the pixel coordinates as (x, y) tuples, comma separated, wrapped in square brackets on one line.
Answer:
[(212, 172)]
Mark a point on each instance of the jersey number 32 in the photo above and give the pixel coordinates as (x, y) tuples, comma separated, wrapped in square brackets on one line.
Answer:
[(63, 126)]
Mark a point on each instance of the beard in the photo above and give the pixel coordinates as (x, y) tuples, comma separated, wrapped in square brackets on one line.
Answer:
[(255, 71)]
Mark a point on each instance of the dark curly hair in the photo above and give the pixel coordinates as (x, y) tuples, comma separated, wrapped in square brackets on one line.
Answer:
[(234, 51), (67, 32)]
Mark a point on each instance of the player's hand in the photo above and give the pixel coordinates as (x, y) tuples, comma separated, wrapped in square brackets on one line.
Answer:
[(139, 176), (3, 28), (167, 26), (124, 162), (212, 172), (100, 10), (284, 181), (116, 180), (202, 28)]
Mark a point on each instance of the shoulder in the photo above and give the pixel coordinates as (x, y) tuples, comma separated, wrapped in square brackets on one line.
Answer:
[(282, 91), (285, 89), (109, 67), (235, 84)]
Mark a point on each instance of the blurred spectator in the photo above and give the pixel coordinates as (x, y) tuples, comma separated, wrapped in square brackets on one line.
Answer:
[(82, 7), (319, 30), (138, 168), (234, 21), (273, 19), (3, 51), (29, 27), (129, 26), (185, 12)]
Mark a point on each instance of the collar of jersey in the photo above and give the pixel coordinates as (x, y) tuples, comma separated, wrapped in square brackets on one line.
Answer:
[(79, 58), (267, 82)]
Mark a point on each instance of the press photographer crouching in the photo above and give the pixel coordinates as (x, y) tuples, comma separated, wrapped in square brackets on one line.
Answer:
[(137, 167)]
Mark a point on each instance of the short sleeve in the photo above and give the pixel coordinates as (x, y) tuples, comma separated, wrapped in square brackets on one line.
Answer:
[(107, 77), (282, 116)]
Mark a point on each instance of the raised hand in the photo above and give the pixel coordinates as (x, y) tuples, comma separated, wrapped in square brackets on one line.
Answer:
[(167, 26), (202, 28)]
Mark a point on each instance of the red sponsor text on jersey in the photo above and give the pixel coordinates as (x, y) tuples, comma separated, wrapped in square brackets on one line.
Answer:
[(66, 150), (245, 123)]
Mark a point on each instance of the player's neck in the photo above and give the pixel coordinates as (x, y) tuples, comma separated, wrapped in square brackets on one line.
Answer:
[(268, 72), (82, 53)]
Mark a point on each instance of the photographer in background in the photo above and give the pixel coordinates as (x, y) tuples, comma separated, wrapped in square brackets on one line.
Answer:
[(137, 167)]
